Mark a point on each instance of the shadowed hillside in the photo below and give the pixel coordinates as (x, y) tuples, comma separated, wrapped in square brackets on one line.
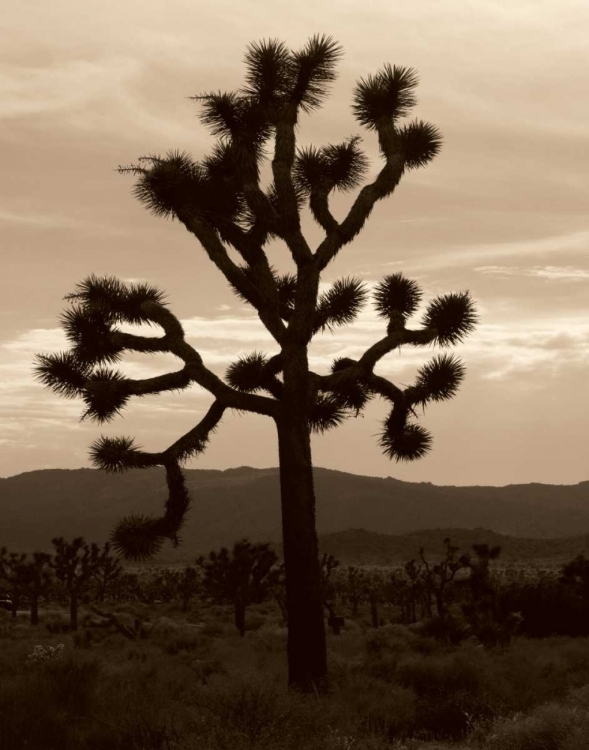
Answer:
[(239, 502)]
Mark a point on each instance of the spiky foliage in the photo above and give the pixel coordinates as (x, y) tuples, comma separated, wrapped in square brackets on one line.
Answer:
[(219, 199), (421, 142), (452, 317), (137, 537), (335, 167), (388, 94), (437, 380), (407, 443), (249, 373), (341, 304), (396, 294)]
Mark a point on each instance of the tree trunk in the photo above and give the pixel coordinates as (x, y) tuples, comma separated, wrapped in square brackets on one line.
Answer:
[(14, 606), (307, 651), (74, 611)]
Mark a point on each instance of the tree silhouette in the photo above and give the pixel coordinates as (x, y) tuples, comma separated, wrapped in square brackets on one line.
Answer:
[(11, 564), (34, 578), (436, 577), (74, 564), (108, 569), (240, 579), (220, 200)]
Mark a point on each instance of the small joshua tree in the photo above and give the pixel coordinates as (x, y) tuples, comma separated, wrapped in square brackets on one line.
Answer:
[(74, 564), (35, 577), (108, 569), (436, 577), (240, 579), (11, 567), (220, 200), (189, 584)]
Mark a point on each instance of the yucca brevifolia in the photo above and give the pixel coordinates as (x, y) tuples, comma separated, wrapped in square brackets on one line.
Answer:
[(221, 201), (74, 564), (11, 564), (35, 576), (189, 584), (240, 578), (108, 569), (437, 576)]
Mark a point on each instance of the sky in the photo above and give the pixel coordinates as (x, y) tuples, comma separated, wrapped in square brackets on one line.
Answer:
[(501, 212)]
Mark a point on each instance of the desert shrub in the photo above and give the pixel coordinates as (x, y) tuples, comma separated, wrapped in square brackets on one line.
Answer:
[(46, 705), (450, 690), (252, 712), (548, 727), (369, 707), (390, 639)]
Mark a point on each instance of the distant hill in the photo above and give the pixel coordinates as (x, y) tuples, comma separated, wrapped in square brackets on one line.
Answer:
[(245, 502)]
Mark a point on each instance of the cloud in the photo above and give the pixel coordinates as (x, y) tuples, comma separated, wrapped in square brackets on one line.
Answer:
[(549, 273)]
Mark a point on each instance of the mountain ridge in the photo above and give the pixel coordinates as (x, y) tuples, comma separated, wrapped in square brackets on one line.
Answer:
[(243, 501)]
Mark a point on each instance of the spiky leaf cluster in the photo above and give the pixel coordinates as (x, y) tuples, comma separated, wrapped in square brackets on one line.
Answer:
[(310, 72), (452, 316), (334, 167), (340, 304), (62, 372), (176, 184), (116, 301), (396, 294), (326, 413), (248, 374), (115, 455), (407, 443), (137, 537), (437, 380), (388, 94), (104, 395), (89, 331), (421, 141), (267, 64)]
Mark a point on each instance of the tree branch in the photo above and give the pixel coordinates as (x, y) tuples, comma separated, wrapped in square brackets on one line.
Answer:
[(208, 238), (386, 182)]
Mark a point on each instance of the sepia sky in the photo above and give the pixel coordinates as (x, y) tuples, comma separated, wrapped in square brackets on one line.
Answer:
[(502, 212)]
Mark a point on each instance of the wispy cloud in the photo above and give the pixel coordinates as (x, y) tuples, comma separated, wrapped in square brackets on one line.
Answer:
[(549, 273)]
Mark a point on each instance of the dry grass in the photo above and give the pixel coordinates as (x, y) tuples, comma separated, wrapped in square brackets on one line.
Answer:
[(191, 682)]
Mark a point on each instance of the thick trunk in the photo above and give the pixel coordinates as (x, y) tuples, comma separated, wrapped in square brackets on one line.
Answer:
[(307, 654), (14, 607)]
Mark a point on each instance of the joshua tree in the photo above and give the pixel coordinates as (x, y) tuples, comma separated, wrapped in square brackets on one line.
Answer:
[(189, 584), (35, 576), (221, 201), (75, 563), (108, 569), (11, 566), (240, 579), (437, 577)]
